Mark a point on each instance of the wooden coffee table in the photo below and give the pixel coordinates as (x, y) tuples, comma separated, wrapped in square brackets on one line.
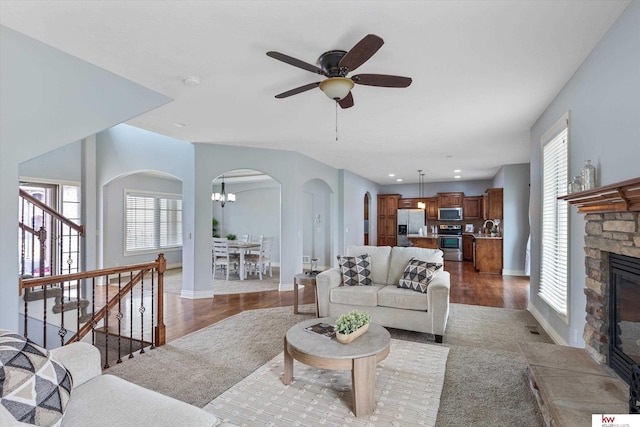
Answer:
[(360, 357)]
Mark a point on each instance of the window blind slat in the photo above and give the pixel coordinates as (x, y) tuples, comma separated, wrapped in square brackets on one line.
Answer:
[(152, 222)]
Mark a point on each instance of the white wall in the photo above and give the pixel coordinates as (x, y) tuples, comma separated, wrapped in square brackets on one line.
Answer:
[(604, 99), (49, 99)]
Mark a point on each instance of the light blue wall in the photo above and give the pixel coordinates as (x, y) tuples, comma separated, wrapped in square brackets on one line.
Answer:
[(62, 164), (113, 224), (514, 180), (48, 99), (603, 97), (352, 199)]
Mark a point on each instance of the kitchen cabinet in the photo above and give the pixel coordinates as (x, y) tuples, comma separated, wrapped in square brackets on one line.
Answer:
[(410, 203), (450, 200), (467, 247), (487, 257), (424, 242), (432, 208), (388, 219), (492, 201), (472, 207)]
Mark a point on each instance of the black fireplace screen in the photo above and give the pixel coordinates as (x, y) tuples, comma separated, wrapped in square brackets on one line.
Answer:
[(624, 314)]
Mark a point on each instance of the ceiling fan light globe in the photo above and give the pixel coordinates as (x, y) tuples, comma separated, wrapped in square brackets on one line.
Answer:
[(336, 88)]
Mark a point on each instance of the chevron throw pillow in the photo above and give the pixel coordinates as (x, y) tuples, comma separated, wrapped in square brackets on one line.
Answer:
[(355, 270), (417, 275), (34, 387)]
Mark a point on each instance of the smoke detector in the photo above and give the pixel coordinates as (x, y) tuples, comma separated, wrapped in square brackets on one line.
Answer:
[(191, 81)]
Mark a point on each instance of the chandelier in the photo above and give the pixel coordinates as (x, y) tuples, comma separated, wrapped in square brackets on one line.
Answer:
[(223, 197)]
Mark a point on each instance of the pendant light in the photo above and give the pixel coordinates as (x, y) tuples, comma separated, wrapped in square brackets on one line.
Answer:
[(223, 197), (421, 205)]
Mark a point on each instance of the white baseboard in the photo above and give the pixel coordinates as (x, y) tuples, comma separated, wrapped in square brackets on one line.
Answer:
[(513, 273), (196, 294), (546, 326), (285, 287)]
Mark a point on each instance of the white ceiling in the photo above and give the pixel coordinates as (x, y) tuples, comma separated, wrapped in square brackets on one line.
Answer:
[(483, 72)]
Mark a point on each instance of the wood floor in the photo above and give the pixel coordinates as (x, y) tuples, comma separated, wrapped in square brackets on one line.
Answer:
[(183, 316)]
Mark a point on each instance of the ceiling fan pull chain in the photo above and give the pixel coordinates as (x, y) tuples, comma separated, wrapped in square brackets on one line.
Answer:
[(336, 121)]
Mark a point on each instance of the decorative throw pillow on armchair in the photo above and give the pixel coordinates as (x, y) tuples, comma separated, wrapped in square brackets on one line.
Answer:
[(34, 387), (355, 270)]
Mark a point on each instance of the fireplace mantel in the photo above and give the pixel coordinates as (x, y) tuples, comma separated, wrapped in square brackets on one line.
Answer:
[(623, 196)]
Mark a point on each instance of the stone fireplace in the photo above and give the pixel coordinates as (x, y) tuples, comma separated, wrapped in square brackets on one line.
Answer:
[(607, 233)]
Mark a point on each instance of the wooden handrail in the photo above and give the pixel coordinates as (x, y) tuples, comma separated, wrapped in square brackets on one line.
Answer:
[(79, 228), (159, 265)]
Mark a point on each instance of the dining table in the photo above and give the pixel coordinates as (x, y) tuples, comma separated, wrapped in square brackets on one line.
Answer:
[(243, 248)]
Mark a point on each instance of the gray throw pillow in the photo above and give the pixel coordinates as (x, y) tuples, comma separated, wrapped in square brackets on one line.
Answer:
[(417, 275), (355, 270)]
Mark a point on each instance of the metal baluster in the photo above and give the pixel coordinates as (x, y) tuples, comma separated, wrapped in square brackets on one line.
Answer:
[(131, 318), (153, 341), (78, 312), (106, 324), (26, 311), (119, 316), (93, 311), (141, 310), (44, 320), (62, 331)]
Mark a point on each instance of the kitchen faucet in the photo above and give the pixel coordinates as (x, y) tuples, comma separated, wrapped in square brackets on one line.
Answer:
[(494, 223)]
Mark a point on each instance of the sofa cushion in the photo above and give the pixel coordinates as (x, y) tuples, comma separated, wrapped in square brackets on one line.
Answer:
[(34, 387), (417, 275), (356, 295), (400, 257), (136, 406), (355, 270), (406, 299), (379, 260)]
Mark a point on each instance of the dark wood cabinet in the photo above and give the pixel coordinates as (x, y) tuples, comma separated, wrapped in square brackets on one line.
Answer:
[(424, 242), (488, 255), (410, 203), (432, 208), (388, 219), (467, 247), (492, 203), (472, 207), (450, 200)]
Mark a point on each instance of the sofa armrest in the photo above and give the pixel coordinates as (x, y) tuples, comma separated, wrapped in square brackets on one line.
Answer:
[(326, 281), (438, 301), (81, 359)]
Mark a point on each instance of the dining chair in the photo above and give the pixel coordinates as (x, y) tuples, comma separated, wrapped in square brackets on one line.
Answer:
[(243, 238), (260, 261), (222, 258)]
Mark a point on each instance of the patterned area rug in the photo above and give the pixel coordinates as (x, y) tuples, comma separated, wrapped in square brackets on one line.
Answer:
[(173, 283), (408, 388)]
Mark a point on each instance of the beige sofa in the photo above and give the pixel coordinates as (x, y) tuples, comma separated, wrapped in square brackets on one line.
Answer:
[(387, 304), (107, 400)]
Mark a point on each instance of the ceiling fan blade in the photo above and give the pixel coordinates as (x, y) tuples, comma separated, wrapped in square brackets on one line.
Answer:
[(383, 80), (361, 52), (298, 90), (347, 101), (295, 62)]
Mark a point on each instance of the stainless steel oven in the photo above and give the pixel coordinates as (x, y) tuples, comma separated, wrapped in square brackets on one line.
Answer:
[(450, 241)]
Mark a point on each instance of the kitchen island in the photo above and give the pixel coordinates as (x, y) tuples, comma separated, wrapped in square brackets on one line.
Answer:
[(430, 241), (487, 252)]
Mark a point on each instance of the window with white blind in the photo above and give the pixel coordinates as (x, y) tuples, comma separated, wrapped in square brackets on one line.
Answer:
[(152, 222), (554, 248)]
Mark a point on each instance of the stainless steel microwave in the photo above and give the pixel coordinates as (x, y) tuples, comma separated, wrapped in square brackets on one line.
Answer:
[(450, 214)]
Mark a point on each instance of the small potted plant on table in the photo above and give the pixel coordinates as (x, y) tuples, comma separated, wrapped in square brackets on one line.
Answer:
[(351, 325)]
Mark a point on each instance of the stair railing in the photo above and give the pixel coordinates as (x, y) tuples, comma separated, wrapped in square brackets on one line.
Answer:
[(42, 228), (131, 289)]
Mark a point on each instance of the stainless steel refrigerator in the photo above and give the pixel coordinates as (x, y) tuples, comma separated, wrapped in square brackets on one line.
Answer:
[(410, 221)]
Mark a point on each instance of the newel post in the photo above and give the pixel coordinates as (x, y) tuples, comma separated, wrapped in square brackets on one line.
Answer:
[(160, 330)]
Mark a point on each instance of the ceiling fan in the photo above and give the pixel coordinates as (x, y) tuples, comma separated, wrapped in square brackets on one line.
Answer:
[(336, 64)]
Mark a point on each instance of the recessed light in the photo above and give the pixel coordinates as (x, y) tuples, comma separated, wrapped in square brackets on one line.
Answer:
[(399, 179), (457, 177), (457, 171), (179, 125), (392, 174), (191, 81)]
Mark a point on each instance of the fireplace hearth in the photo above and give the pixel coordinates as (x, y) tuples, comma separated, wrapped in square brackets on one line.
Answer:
[(624, 314)]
